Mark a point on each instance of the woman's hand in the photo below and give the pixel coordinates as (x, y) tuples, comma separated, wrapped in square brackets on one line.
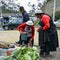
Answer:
[(30, 42), (21, 32), (39, 28), (31, 39)]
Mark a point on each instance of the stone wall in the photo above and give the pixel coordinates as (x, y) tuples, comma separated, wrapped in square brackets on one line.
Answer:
[(49, 7)]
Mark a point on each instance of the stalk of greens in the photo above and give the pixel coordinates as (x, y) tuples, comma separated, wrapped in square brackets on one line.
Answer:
[(24, 53)]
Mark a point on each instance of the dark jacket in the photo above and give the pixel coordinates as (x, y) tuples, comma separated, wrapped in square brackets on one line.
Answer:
[(48, 35), (25, 17)]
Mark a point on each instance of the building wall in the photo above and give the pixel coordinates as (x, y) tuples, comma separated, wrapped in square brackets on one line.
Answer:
[(49, 7), (10, 14)]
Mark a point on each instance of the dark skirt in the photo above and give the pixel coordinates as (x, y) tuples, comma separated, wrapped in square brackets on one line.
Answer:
[(54, 41), (48, 42)]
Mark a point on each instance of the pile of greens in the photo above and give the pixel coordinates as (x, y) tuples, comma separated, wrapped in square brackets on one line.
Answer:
[(24, 53)]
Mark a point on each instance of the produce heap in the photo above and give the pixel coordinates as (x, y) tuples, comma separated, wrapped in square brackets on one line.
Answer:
[(24, 53)]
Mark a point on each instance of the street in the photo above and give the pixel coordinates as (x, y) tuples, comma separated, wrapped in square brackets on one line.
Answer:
[(1, 29)]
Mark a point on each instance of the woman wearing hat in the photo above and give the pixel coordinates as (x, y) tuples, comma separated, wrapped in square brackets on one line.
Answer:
[(27, 27), (25, 15), (48, 38)]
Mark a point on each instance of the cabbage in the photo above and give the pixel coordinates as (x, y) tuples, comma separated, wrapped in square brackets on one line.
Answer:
[(2, 57), (24, 53)]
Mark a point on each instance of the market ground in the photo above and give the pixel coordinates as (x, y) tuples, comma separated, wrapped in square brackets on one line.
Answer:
[(11, 36)]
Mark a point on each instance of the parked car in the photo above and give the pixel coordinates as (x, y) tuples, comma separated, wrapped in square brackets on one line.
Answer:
[(57, 23), (13, 23), (1, 21)]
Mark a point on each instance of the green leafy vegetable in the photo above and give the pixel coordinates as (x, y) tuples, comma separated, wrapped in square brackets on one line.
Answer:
[(24, 53)]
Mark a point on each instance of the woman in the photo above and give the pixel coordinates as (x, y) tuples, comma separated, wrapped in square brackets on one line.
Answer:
[(24, 14), (48, 38), (27, 27)]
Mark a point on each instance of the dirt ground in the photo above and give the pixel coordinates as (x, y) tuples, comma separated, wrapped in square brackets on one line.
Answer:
[(11, 36)]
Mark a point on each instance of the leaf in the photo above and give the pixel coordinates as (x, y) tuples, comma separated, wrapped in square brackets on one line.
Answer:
[(25, 53)]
